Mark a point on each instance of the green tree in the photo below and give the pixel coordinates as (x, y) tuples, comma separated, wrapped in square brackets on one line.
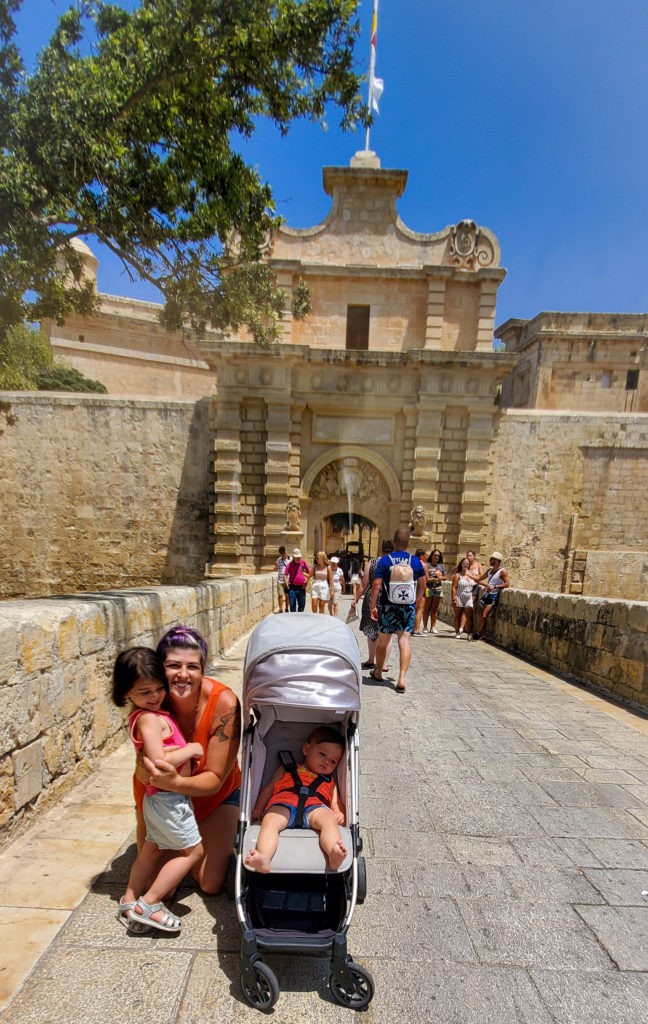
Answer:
[(127, 130), (27, 364)]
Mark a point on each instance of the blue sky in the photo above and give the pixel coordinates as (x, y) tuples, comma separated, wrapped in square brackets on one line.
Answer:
[(529, 118)]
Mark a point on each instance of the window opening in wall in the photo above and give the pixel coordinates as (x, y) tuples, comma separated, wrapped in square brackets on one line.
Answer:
[(606, 380), (632, 380), (357, 328)]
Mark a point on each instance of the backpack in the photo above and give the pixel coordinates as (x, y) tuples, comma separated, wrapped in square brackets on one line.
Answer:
[(401, 588)]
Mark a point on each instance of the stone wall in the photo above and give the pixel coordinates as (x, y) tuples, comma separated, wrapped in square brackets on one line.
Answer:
[(566, 483), (601, 642), (56, 659), (101, 492)]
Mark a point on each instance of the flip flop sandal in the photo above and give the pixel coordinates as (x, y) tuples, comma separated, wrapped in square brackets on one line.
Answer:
[(169, 922), (368, 664), (399, 689), (123, 916)]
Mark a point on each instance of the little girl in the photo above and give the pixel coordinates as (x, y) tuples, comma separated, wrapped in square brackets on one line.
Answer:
[(171, 830)]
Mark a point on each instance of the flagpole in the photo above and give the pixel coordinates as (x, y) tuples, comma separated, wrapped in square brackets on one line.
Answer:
[(372, 65)]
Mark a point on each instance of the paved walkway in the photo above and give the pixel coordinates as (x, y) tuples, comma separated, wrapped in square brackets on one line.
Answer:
[(505, 817)]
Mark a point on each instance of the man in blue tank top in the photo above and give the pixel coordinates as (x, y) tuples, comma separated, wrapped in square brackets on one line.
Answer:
[(399, 581)]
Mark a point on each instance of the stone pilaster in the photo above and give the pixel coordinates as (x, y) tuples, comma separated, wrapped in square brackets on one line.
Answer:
[(427, 456), (434, 314), (486, 315), (475, 507), (278, 477), (225, 511)]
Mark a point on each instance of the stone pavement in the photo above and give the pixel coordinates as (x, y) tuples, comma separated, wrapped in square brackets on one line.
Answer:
[(505, 818)]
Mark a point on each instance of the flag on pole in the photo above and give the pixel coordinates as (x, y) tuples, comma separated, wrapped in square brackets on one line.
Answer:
[(376, 85)]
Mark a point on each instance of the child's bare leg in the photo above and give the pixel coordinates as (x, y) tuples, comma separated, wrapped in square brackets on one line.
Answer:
[(322, 820), (274, 822), (171, 874), (145, 868)]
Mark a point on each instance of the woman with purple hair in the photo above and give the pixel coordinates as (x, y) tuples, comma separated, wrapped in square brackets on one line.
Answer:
[(208, 713)]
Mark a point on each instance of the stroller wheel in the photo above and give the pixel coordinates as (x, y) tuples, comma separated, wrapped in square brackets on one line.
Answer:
[(264, 992), (359, 993)]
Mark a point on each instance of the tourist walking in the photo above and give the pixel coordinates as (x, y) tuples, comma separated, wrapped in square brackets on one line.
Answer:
[(297, 573), (399, 580), (322, 583), (369, 626), (282, 586), (338, 585)]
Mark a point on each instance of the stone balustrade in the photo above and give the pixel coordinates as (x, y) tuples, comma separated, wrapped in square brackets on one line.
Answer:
[(56, 658), (602, 642)]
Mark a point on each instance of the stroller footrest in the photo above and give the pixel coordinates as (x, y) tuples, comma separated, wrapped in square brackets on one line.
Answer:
[(299, 851)]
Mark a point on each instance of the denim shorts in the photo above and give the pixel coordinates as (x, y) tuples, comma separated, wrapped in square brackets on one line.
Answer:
[(170, 821), (293, 813), (233, 799)]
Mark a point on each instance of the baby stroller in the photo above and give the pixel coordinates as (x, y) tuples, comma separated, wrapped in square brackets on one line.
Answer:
[(300, 671)]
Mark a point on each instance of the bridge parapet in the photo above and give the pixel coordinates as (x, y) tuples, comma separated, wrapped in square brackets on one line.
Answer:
[(56, 658), (602, 642)]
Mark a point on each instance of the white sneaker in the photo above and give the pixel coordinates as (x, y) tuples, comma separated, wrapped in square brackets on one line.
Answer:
[(435, 631), (457, 636)]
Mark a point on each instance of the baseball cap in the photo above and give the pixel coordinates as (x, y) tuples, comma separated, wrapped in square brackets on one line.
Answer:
[(335, 559)]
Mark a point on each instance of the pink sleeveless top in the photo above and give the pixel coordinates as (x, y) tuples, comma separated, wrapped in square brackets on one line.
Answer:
[(174, 739)]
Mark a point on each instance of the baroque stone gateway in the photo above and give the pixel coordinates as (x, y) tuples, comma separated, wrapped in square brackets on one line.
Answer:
[(387, 404)]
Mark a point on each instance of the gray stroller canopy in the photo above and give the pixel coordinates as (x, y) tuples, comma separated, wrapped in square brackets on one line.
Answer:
[(305, 661)]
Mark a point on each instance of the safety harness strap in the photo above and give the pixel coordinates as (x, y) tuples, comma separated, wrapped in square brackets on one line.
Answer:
[(302, 790)]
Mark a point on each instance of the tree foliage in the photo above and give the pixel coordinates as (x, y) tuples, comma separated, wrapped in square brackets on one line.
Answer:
[(127, 131), (27, 364)]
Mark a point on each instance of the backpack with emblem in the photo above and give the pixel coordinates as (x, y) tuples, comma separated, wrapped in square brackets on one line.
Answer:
[(401, 588)]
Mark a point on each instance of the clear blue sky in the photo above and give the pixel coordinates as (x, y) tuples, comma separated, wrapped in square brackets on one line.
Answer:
[(529, 118)]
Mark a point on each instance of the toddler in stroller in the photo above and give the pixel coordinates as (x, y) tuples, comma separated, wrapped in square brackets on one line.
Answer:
[(303, 796), (296, 888)]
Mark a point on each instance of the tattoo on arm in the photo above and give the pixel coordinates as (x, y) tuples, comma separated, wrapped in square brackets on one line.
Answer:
[(229, 726)]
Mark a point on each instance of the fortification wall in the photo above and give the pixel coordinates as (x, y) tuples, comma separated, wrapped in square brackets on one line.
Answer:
[(56, 659), (598, 641), (101, 492), (571, 483)]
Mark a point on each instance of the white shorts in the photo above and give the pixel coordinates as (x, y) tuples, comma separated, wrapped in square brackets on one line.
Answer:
[(320, 590), (336, 595), (466, 602)]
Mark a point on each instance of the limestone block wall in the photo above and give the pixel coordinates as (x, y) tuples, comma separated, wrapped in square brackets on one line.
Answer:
[(567, 482), (101, 492), (602, 642), (56, 658)]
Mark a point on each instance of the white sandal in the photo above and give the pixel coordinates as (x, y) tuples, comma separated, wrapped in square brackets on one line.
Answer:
[(169, 922), (123, 916)]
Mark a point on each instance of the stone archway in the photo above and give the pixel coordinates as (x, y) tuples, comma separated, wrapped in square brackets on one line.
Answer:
[(354, 482)]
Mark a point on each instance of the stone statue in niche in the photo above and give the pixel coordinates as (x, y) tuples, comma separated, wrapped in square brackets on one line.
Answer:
[(417, 520), (293, 515), (469, 247)]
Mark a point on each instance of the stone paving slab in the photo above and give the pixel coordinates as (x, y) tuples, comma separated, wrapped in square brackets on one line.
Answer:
[(505, 822)]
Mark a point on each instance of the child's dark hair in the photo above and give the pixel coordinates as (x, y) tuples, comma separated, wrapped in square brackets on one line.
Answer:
[(325, 734), (132, 665)]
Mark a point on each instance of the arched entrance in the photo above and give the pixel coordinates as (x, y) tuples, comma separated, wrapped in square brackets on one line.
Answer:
[(350, 495), (340, 532)]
